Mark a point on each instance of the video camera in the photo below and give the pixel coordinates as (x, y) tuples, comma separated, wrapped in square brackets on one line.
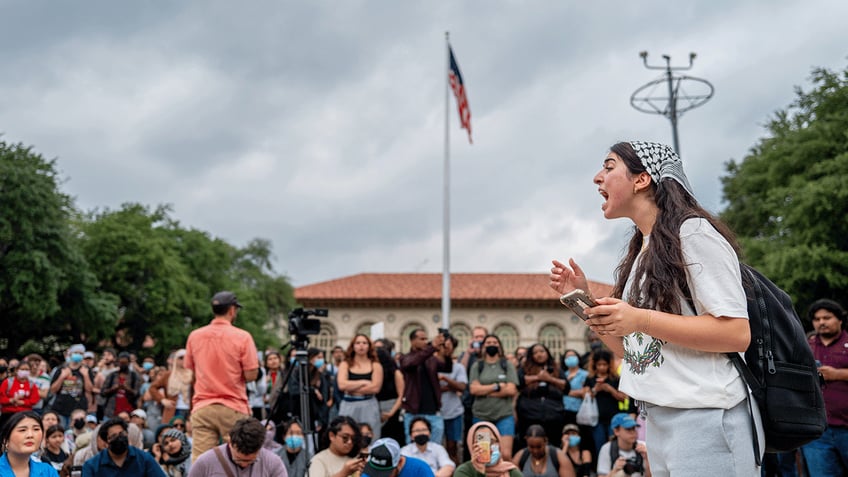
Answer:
[(301, 325)]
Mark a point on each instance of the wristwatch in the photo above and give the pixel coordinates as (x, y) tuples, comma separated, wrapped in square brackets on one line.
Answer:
[(497, 387)]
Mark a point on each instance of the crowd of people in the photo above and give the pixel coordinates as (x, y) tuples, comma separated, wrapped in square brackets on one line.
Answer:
[(371, 410)]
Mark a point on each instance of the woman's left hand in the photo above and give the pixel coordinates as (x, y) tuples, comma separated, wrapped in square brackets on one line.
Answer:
[(614, 317)]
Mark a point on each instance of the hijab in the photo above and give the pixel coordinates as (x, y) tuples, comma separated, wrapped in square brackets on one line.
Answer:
[(179, 381), (270, 443), (501, 467)]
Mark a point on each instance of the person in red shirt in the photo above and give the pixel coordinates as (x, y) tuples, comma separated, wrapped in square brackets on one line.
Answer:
[(17, 393), (121, 388)]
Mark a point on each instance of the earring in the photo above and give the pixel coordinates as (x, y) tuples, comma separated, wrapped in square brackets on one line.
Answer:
[(634, 190)]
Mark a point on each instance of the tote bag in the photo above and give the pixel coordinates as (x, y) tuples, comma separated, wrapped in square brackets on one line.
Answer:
[(588, 413)]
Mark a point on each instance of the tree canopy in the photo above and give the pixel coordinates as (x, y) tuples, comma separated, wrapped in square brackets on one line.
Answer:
[(788, 198), (132, 277)]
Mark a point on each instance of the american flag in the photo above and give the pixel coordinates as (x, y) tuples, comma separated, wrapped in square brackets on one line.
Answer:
[(458, 88)]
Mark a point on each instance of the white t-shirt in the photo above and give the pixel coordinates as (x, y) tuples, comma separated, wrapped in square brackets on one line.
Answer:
[(604, 463), (670, 375), (435, 455), (451, 402)]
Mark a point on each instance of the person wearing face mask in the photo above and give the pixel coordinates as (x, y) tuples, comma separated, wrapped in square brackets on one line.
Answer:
[(121, 388), (580, 456), (292, 451), (430, 452), (17, 393), (71, 384), (119, 458), (576, 377), (494, 384), (486, 460)]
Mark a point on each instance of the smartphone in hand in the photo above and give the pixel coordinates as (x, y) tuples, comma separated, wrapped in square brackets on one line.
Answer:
[(577, 301)]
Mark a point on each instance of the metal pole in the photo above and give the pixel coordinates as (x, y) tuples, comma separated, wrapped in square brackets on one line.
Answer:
[(446, 200), (672, 104)]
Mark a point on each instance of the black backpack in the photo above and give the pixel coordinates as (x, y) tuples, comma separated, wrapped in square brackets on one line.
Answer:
[(779, 368)]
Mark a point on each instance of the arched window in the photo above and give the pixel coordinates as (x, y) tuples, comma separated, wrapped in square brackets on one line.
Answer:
[(365, 329), (326, 338), (462, 333), (508, 336), (553, 336), (404, 336)]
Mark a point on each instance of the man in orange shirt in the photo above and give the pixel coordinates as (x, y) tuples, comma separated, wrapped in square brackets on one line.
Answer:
[(223, 359)]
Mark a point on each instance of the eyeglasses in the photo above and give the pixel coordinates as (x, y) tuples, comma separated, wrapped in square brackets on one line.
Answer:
[(179, 425), (115, 436), (346, 438)]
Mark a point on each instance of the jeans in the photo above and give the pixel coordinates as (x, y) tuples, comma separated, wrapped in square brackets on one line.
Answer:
[(828, 455), (437, 426)]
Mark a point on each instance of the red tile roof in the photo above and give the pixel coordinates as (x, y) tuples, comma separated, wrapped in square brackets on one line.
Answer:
[(472, 289)]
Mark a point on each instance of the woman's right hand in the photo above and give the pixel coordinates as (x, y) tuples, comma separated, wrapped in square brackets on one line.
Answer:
[(565, 278), (354, 465)]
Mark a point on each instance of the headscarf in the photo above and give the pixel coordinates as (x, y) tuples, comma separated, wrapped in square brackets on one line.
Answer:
[(661, 162), (185, 450), (179, 381), (270, 443), (501, 467)]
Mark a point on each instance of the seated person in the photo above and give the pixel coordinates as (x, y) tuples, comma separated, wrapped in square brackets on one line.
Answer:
[(623, 455), (485, 462), (422, 448)]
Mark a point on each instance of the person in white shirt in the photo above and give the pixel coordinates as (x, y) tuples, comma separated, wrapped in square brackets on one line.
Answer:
[(624, 454), (430, 452)]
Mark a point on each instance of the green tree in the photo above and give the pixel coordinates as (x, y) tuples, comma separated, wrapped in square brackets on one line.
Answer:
[(47, 292), (788, 199)]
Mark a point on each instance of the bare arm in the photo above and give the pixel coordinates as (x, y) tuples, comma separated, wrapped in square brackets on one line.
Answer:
[(703, 332), (250, 374)]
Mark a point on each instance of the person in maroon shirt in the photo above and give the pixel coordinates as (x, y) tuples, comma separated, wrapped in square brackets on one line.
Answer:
[(828, 455), (121, 388)]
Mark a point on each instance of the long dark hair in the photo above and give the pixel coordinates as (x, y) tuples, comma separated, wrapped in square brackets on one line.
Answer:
[(663, 266), (12, 423), (532, 367)]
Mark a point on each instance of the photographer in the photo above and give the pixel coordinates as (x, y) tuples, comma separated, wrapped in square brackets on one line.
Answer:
[(422, 394), (623, 455)]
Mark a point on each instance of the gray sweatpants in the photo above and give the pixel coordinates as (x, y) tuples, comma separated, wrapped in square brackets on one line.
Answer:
[(701, 442)]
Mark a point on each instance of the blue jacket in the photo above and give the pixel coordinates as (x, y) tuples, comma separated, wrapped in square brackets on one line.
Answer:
[(36, 469), (137, 464)]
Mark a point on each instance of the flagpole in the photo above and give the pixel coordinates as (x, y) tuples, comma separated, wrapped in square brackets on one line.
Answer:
[(446, 199)]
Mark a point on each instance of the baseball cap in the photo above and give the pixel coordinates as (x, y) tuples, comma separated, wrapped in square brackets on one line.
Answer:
[(383, 459), (77, 348), (139, 413), (225, 298), (624, 420), (91, 418), (88, 354), (570, 427)]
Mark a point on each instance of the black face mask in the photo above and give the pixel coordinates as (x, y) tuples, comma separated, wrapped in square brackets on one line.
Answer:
[(79, 423), (119, 445), (421, 439), (492, 350), (3, 369), (366, 441), (125, 368)]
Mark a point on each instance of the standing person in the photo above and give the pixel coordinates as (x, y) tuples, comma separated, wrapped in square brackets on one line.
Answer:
[(273, 373), (17, 393), (19, 440), (603, 383), (223, 359), (453, 384), (674, 355), (119, 458), (360, 378), (176, 384), (828, 455), (243, 454), (422, 394), (541, 386), (494, 384), (106, 366), (121, 388), (576, 379), (390, 396), (624, 454), (71, 383)]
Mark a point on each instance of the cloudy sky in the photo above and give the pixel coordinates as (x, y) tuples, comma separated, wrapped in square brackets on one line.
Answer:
[(320, 125)]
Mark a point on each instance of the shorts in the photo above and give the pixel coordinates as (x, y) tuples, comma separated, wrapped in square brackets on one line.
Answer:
[(453, 429), (505, 425)]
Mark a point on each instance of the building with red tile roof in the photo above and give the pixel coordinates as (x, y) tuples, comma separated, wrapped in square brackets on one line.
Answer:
[(518, 307)]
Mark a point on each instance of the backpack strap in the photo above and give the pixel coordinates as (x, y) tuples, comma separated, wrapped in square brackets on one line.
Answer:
[(523, 460), (552, 451), (223, 462)]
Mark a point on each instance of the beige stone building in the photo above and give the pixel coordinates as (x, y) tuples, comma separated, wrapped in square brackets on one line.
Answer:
[(521, 309)]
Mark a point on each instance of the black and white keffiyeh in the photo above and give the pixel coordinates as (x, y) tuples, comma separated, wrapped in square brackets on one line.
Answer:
[(661, 162)]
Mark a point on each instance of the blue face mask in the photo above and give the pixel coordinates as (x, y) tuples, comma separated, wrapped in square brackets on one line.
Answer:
[(147, 365), (292, 360), (318, 363), (294, 442), (496, 454), (573, 441), (76, 357), (572, 361)]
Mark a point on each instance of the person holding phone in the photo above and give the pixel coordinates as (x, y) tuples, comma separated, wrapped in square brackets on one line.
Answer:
[(676, 308), (485, 443), (341, 458)]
